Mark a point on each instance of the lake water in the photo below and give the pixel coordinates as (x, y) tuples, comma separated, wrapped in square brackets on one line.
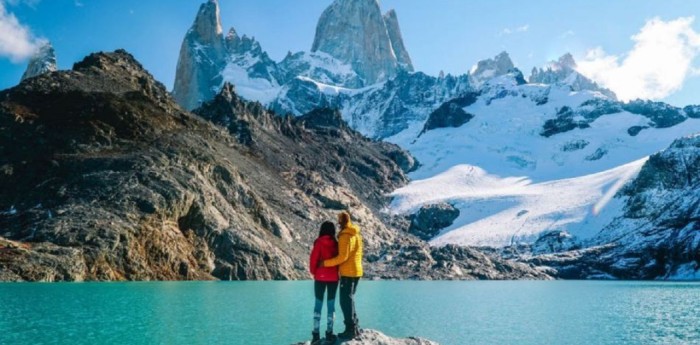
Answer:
[(482, 312)]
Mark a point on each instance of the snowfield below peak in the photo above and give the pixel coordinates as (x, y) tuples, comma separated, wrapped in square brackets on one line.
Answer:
[(511, 182), (501, 211)]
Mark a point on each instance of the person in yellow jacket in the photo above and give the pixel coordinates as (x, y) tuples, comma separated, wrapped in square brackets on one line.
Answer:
[(349, 262)]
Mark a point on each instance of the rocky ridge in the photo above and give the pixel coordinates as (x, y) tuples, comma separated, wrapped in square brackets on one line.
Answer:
[(110, 179), (107, 178)]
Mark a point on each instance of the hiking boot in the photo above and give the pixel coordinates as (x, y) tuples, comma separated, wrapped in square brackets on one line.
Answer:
[(349, 333), (330, 338), (315, 338)]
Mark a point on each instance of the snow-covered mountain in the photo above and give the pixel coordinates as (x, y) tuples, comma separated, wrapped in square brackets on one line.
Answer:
[(43, 61), (652, 226), (535, 163), (356, 33), (543, 165), (357, 63)]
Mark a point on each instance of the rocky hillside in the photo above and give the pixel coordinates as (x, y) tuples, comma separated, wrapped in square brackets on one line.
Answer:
[(105, 177)]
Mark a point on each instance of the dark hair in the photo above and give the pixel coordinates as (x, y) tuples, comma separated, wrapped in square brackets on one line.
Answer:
[(327, 228)]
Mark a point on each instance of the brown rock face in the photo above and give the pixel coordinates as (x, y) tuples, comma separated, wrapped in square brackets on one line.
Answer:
[(108, 179)]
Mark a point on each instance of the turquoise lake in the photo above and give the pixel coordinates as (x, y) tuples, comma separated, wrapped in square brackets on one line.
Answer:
[(481, 312)]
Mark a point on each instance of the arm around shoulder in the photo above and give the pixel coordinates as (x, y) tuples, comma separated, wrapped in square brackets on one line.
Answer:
[(344, 245)]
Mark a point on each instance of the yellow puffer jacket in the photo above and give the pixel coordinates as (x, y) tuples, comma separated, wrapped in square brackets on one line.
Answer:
[(349, 259)]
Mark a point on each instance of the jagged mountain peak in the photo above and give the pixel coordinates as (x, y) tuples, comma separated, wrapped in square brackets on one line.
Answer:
[(391, 21), (43, 61), (231, 33), (207, 23), (228, 92), (488, 69), (563, 72), (391, 13), (355, 32), (202, 57), (567, 60)]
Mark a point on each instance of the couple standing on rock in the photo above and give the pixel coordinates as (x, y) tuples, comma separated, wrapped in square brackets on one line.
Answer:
[(332, 261)]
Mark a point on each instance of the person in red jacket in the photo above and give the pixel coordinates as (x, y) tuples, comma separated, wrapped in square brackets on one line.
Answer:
[(325, 279)]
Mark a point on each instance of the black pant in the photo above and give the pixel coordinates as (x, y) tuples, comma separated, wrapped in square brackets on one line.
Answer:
[(348, 286), (319, 289)]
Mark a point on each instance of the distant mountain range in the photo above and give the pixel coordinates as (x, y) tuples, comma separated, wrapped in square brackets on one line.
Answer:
[(520, 158), (542, 176)]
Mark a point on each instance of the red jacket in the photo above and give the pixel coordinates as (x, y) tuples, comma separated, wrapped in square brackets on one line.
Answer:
[(325, 247)]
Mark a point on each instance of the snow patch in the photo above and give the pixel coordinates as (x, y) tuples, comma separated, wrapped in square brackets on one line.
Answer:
[(499, 211)]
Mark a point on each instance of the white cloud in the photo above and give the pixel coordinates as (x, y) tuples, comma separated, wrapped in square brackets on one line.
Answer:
[(508, 31), (657, 66), (16, 40), (78, 3), (567, 34)]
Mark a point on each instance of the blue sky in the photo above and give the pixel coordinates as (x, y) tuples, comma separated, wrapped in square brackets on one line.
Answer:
[(449, 35)]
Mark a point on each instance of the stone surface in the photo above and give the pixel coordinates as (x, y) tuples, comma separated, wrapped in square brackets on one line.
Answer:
[(372, 337), (43, 61)]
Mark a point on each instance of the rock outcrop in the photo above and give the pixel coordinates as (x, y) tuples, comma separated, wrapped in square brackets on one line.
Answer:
[(430, 219), (377, 112), (355, 32), (202, 58), (372, 337), (451, 113), (43, 61)]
